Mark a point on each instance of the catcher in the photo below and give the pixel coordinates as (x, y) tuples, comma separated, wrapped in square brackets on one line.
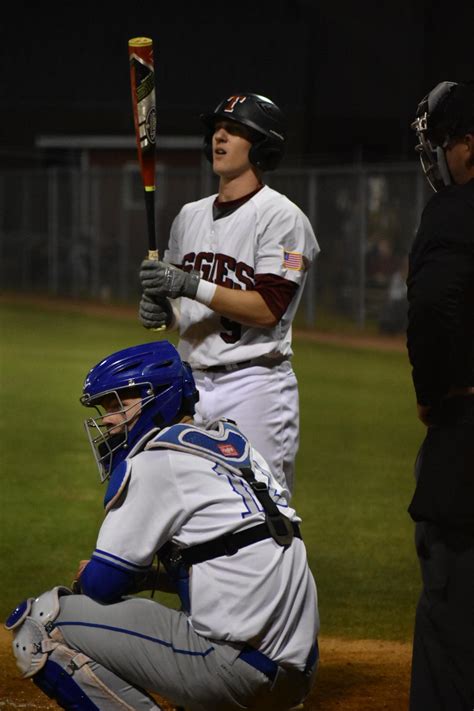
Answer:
[(206, 503)]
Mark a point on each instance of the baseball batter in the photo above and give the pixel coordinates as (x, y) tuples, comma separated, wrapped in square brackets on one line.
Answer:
[(243, 257), (206, 503)]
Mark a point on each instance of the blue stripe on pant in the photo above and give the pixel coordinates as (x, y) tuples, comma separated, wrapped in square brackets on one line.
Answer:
[(153, 647)]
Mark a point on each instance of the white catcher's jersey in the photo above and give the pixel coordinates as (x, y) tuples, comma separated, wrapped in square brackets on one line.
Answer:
[(268, 234), (264, 595)]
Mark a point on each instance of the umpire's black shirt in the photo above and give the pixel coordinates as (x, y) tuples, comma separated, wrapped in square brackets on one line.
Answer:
[(440, 341)]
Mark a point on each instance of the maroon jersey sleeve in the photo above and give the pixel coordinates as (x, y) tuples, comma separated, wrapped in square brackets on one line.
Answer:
[(276, 291)]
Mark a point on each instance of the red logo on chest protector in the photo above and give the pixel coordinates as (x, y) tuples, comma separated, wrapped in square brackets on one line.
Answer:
[(228, 450)]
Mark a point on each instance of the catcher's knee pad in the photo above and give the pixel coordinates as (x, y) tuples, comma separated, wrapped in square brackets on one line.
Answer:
[(34, 635)]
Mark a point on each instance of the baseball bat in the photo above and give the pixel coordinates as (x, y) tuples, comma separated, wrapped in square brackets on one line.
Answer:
[(142, 80)]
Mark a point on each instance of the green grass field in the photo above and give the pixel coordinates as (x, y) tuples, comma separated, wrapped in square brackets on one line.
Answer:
[(359, 437)]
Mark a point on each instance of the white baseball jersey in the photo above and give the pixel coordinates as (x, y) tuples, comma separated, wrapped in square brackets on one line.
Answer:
[(268, 234), (264, 594)]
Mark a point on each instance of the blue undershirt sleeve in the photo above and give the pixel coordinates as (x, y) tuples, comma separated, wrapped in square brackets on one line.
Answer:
[(105, 583)]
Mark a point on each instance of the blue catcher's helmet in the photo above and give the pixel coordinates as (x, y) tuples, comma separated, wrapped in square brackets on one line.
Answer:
[(153, 372)]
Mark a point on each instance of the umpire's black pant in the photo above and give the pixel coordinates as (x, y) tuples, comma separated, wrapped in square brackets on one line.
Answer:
[(443, 647)]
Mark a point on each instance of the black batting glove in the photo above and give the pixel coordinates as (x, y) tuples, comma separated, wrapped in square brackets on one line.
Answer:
[(160, 280), (155, 313)]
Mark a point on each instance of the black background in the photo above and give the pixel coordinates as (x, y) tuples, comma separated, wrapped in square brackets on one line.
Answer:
[(348, 75)]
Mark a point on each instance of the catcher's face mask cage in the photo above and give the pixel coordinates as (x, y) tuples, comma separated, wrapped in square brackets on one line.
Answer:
[(433, 133), (106, 439)]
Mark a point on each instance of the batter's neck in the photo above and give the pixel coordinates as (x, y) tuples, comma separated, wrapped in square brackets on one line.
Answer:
[(238, 187)]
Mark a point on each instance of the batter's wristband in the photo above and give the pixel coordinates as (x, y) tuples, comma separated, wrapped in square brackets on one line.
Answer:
[(205, 292)]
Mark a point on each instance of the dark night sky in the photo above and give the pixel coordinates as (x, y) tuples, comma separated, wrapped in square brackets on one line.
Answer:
[(348, 75)]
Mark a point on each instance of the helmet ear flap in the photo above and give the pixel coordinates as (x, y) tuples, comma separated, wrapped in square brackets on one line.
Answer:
[(266, 154)]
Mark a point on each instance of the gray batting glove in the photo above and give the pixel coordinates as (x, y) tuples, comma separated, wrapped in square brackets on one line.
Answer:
[(154, 314), (159, 280)]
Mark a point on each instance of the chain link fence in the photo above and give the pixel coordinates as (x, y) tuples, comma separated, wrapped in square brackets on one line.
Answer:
[(82, 233)]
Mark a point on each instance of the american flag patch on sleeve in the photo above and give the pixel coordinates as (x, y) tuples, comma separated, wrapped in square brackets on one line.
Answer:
[(293, 260)]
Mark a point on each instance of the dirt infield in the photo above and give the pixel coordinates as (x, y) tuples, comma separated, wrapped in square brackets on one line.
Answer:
[(354, 675)]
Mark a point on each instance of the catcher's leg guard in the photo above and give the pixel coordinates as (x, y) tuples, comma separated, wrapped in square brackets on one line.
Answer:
[(77, 683), (73, 679), (55, 683)]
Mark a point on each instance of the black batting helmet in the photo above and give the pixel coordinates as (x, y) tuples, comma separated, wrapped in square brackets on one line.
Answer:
[(262, 116)]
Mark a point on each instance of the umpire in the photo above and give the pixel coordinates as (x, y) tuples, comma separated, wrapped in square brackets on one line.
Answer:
[(440, 340)]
